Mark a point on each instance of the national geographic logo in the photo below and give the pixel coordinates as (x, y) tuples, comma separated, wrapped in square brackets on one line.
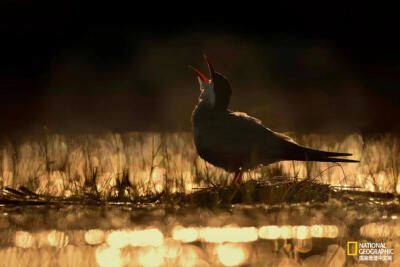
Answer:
[(352, 248), (367, 251)]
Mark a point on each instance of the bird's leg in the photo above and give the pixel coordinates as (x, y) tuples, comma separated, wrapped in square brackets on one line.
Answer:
[(238, 177)]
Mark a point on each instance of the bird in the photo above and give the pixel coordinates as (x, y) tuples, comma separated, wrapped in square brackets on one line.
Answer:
[(237, 142)]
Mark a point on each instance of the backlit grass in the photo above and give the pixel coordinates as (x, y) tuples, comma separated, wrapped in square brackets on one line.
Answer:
[(138, 166)]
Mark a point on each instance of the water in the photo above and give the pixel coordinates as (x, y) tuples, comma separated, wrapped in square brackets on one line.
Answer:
[(122, 234)]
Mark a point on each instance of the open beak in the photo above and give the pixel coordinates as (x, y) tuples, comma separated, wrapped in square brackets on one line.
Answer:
[(210, 69)]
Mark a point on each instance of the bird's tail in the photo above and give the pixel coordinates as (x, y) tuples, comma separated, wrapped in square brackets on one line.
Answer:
[(308, 154)]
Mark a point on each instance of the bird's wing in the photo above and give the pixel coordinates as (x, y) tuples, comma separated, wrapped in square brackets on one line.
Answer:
[(268, 145), (238, 137)]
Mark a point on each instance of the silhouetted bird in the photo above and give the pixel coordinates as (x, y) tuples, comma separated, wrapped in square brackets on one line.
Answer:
[(236, 141)]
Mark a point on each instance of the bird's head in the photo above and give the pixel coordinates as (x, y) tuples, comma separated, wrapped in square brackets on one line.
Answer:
[(215, 91)]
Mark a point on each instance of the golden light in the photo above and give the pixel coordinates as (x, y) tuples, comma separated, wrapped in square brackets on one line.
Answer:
[(185, 235), (269, 232), (159, 187), (149, 257), (301, 232), (230, 254), (57, 239), (228, 234), (148, 237), (317, 231), (286, 232), (136, 238), (158, 176), (67, 193), (331, 231), (118, 239), (298, 232), (23, 239), (42, 239), (94, 237), (108, 257)]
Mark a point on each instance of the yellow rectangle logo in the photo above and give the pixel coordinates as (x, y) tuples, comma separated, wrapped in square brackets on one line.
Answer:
[(352, 248)]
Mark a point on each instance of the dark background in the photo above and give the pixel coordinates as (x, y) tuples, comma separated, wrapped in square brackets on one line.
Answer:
[(299, 68)]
